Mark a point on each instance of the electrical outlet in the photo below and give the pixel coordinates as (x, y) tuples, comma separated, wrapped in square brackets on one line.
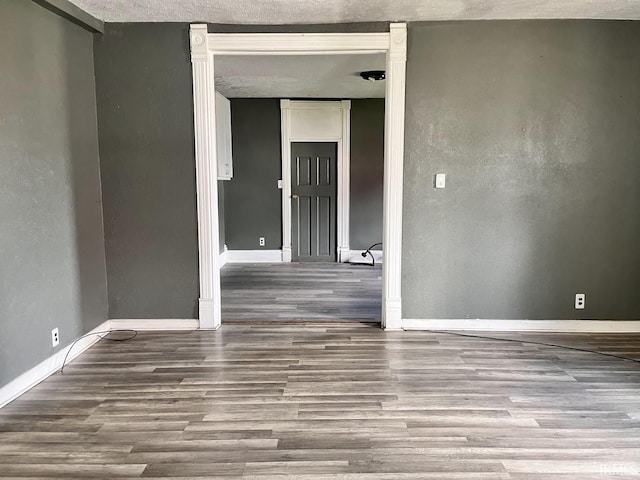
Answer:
[(55, 337), (261, 241), (580, 300)]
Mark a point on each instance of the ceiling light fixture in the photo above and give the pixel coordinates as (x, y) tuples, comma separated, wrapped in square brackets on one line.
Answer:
[(373, 75)]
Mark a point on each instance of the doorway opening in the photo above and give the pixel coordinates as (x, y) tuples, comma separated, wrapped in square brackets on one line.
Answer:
[(204, 48), (313, 121), (312, 286)]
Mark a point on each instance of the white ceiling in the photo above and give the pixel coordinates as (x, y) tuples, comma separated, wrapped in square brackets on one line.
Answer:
[(317, 76), (282, 12)]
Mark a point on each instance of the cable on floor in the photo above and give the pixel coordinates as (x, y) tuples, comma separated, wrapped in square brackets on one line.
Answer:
[(105, 333), (532, 342), (368, 252)]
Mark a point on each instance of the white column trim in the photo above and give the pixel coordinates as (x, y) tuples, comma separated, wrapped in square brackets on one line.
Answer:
[(285, 133), (344, 184), (204, 47), (206, 177), (393, 169)]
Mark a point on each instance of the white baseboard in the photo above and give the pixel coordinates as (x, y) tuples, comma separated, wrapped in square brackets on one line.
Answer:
[(355, 256), (44, 369), (253, 256), (344, 254), (158, 324), (222, 259), (392, 314), (278, 256), (51, 365), (559, 326)]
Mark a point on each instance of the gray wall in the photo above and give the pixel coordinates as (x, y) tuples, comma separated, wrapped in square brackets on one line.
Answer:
[(367, 172), (537, 125), (145, 118), (52, 267), (252, 199)]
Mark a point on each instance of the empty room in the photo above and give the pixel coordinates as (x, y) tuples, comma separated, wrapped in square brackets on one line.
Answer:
[(292, 239)]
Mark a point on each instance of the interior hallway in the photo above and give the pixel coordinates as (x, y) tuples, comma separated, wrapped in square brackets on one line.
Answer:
[(301, 291)]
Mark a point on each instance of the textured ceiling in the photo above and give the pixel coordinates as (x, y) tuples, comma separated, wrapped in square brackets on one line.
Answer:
[(343, 11), (313, 76)]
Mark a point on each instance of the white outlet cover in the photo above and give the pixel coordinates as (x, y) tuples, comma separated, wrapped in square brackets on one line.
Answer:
[(580, 301), (441, 180), (55, 337)]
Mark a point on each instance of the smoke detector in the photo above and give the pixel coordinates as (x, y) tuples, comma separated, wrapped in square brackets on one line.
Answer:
[(373, 75)]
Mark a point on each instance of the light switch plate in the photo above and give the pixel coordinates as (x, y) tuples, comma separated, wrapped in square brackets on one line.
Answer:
[(441, 180), (280, 184)]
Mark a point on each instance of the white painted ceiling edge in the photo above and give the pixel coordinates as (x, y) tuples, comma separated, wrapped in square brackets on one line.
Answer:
[(283, 12)]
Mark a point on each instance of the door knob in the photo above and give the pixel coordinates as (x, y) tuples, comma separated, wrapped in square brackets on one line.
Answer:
[(294, 196)]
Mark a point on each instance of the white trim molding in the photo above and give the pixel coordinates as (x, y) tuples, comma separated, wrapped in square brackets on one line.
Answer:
[(53, 364), (344, 183), (204, 47), (317, 121), (222, 258), (154, 324), (48, 367), (204, 106), (253, 256), (285, 158), (297, 43), (393, 168), (558, 326)]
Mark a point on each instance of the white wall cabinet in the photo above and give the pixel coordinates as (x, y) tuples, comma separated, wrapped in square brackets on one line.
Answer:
[(223, 138)]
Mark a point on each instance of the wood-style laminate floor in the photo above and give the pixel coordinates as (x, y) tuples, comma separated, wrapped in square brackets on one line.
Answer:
[(343, 401), (301, 291)]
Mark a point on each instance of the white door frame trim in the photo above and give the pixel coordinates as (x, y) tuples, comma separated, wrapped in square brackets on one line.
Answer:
[(204, 47), (322, 132)]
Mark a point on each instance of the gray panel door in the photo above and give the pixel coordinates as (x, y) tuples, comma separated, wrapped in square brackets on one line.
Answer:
[(313, 202)]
